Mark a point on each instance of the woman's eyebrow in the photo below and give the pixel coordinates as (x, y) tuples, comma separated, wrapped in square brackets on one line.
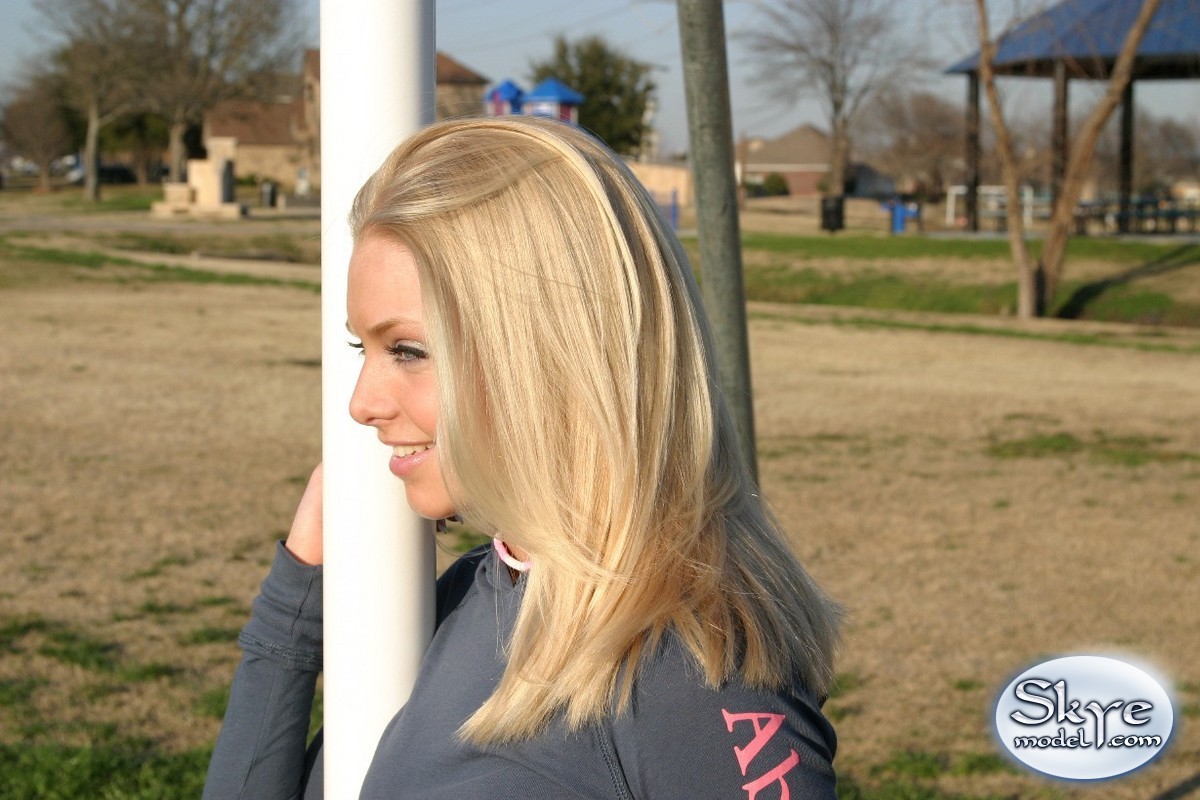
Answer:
[(384, 325)]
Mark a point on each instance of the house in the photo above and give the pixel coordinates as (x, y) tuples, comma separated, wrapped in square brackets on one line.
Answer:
[(280, 140), (801, 156)]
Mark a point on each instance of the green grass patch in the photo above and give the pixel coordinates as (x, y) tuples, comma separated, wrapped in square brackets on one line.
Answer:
[(144, 673), (967, 685), (907, 248), (148, 272), (316, 715), (213, 702), (900, 789), (782, 284), (913, 764), (1039, 445), (1123, 303), (18, 692), (211, 635), (157, 568), (893, 291), (459, 538), (871, 248), (115, 199), (157, 609), (173, 274), (70, 646), (1126, 451), (844, 683), (113, 772), (216, 600), (1086, 339), (1114, 300), (54, 255), (84, 651), (980, 764), (13, 630)]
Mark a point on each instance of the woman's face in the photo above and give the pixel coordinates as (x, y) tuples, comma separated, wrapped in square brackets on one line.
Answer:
[(396, 391)]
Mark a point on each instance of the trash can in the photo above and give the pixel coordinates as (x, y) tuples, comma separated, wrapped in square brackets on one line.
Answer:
[(268, 194), (833, 213)]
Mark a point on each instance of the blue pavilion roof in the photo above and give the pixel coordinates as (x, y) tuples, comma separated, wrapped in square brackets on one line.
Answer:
[(1088, 35), (554, 90)]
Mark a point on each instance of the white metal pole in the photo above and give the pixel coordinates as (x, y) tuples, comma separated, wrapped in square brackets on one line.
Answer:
[(377, 87)]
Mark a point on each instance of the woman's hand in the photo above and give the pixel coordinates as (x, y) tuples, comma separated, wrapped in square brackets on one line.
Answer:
[(305, 540)]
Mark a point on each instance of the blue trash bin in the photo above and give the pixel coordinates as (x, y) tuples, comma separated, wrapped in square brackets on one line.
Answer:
[(900, 212)]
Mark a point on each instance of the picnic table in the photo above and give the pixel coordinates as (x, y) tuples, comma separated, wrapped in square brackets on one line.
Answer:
[(1144, 215)]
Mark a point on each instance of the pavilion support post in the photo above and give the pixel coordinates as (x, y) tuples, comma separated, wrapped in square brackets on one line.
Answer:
[(971, 199), (1059, 144), (1124, 220)]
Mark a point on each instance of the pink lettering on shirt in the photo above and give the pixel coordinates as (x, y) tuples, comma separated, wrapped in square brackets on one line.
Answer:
[(765, 725)]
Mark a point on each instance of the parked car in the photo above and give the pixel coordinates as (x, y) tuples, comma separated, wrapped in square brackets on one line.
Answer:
[(109, 173)]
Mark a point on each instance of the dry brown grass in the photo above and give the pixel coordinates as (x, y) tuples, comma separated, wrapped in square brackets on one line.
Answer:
[(154, 438)]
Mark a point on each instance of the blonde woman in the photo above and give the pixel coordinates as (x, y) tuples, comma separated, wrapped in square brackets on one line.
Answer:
[(536, 355)]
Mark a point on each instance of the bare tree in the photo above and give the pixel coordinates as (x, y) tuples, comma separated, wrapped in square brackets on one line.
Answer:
[(1168, 151), (1038, 282), (200, 52), (914, 137), (33, 125), (843, 52), (98, 63)]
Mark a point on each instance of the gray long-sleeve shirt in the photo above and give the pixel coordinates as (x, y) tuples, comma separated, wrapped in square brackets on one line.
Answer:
[(678, 739)]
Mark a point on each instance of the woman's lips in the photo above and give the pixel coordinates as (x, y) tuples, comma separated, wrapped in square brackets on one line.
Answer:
[(407, 458)]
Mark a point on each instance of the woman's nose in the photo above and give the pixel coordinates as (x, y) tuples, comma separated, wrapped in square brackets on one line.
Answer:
[(368, 404)]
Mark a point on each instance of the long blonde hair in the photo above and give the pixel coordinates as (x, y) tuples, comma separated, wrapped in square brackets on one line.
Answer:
[(580, 419)]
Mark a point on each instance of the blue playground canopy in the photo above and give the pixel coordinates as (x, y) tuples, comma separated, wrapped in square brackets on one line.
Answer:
[(554, 90), (1087, 35)]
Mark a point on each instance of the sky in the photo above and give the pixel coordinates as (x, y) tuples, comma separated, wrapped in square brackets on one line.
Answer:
[(499, 38)]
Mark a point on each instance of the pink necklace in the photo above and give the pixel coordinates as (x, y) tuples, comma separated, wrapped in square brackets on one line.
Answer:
[(508, 558)]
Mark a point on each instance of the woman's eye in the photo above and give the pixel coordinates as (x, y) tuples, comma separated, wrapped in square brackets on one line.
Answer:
[(357, 346), (407, 352)]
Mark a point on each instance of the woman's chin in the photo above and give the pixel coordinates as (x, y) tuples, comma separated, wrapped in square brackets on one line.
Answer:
[(423, 505)]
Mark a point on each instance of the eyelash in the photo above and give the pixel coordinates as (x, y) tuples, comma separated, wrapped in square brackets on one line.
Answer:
[(401, 352)]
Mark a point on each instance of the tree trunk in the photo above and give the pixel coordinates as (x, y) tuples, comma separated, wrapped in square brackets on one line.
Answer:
[(177, 153), (91, 154), (1029, 277), (1063, 217), (44, 178), (840, 151)]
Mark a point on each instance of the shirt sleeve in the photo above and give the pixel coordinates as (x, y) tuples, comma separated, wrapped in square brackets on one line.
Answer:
[(261, 751), (682, 738)]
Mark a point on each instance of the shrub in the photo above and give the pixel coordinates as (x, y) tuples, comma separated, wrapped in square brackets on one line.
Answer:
[(774, 185)]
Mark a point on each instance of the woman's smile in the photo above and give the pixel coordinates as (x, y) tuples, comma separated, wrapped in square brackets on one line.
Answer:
[(408, 458)]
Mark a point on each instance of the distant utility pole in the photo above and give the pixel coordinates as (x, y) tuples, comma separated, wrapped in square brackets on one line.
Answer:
[(710, 142)]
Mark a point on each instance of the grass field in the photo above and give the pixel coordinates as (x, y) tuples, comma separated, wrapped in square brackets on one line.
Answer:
[(979, 492)]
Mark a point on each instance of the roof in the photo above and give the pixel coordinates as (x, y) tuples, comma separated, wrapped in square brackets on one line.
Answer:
[(446, 69), (554, 90), (450, 71), (507, 91), (802, 148), (1088, 35), (252, 122)]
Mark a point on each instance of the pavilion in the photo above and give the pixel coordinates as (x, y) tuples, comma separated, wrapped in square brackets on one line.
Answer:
[(1081, 39)]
